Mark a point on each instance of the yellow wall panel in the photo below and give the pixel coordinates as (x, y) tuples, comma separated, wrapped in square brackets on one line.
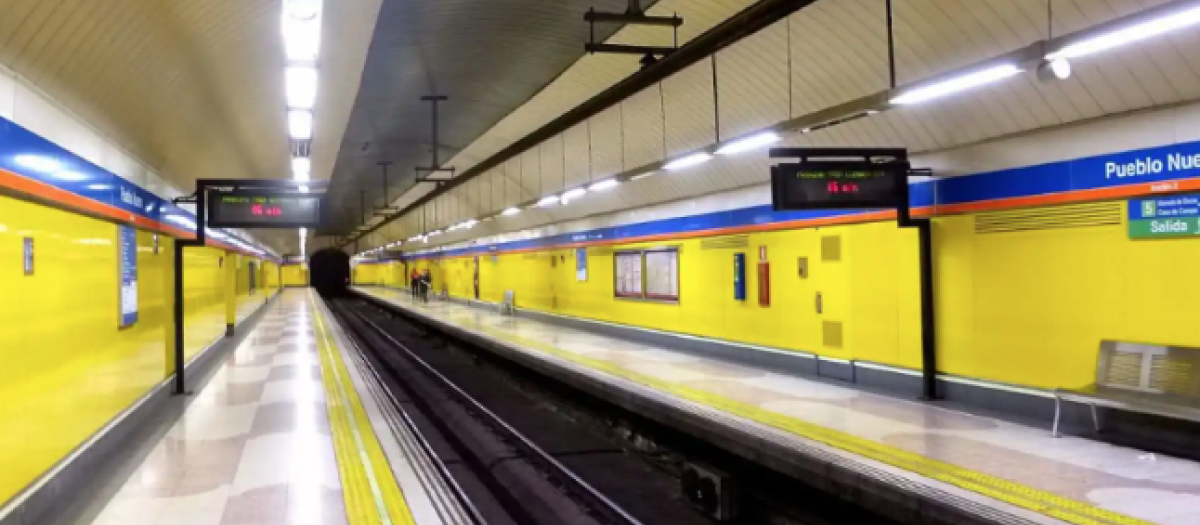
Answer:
[(1026, 307), (295, 275), (66, 368)]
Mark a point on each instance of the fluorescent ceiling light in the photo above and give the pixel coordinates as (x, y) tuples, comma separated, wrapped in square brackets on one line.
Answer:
[(752, 142), (604, 185), (70, 176), (300, 84), (303, 189), (1061, 68), (508, 212), (300, 124), (301, 27), (301, 168), (694, 159), (570, 195), (302, 9), (99, 187), (38, 163), (1139, 31), (548, 200), (182, 221), (957, 84), (641, 176)]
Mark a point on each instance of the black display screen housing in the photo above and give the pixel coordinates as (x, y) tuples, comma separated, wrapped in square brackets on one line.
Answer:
[(822, 185), (263, 209)]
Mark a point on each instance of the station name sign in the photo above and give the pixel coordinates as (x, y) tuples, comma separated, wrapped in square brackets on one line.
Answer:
[(816, 185), (263, 209)]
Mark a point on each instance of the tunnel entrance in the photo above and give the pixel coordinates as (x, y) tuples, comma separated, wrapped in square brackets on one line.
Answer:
[(330, 272)]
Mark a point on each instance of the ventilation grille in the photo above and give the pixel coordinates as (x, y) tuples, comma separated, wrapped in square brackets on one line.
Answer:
[(1053, 218), (831, 248), (831, 334), (1172, 376), (732, 242), (1124, 370)]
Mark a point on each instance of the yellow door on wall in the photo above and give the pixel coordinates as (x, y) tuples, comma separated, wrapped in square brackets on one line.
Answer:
[(809, 290), (831, 298)]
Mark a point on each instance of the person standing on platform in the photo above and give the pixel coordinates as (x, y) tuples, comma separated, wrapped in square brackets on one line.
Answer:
[(414, 280), (426, 283)]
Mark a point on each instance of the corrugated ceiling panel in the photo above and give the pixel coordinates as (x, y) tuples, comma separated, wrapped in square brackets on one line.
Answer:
[(577, 151), (642, 128), (752, 79), (531, 172), (606, 141), (553, 164), (838, 53), (514, 187), (689, 107)]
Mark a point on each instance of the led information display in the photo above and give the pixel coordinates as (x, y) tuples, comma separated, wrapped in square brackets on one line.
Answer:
[(817, 185), (259, 209)]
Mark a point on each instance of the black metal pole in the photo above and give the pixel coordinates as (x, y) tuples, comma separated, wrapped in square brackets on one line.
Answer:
[(180, 387), (180, 244), (716, 99), (928, 336), (434, 146), (385, 183), (924, 228), (891, 48)]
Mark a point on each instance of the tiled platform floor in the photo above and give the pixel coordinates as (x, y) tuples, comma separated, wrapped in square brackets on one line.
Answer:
[(253, 447), (1144, 486)]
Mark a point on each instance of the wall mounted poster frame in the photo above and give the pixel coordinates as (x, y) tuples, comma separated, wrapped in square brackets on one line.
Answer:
[(581, 263), (127, 255)]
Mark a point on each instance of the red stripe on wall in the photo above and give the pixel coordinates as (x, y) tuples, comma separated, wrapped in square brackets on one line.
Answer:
[(47, 192)]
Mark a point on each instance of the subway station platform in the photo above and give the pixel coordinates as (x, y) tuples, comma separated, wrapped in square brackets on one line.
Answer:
[(981, 465), (284, 432)]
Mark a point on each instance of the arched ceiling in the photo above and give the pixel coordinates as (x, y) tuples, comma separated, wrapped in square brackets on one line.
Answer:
[(488, 57), (191, 89), (827, 53)]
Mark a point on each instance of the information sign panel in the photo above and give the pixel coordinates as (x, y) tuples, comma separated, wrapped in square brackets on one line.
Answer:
[(816, 185), (27, 244), (263, 209), (581, 264), (127, 256), (1164, 216)]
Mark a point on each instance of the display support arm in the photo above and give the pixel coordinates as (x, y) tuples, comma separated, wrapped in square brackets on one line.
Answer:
[(180, 244), (924, 228)]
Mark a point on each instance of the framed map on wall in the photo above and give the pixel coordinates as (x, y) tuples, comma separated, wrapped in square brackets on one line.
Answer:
[(647, 274), (628, 274), (662, 274)]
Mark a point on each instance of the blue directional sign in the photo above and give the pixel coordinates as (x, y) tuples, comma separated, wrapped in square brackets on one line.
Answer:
[(1164, 216)]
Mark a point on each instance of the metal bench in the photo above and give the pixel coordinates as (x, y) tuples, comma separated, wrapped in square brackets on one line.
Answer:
[(509, 304), (1148, 379)]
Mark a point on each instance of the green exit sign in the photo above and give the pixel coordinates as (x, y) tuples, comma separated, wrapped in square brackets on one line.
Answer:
[(1166, 227)]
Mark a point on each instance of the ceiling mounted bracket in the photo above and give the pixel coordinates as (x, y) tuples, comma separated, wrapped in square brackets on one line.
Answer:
[(633, 15), (434, 172)]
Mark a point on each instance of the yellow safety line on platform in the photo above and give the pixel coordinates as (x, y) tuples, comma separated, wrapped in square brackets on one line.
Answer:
[(369, 488), (1037, 500)]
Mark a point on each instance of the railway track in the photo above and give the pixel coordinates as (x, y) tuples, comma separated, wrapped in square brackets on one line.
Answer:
[(522, 448)]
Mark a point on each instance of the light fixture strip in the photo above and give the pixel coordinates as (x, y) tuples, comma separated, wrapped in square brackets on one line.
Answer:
[(300, 27)]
